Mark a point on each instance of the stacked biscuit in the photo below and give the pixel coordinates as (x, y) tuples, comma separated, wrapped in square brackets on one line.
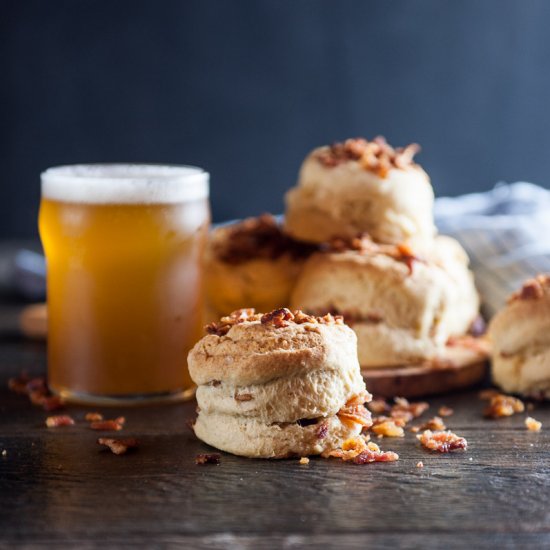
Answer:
[(277, 385), (361, 217)]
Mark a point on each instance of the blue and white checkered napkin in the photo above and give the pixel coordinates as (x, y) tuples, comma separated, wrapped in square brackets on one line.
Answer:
[(506, 233)]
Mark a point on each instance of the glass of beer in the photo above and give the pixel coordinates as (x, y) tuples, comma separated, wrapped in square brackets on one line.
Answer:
[(124, 246)]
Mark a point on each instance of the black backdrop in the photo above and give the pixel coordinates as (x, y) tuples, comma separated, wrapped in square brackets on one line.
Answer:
[(246, 88)]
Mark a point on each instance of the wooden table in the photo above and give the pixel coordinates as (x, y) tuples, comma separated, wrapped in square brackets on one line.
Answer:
[(58, 488)]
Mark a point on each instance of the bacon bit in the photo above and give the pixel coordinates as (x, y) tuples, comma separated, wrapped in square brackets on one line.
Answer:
[(93, 417), (244, 397), (408, 411), (357, 450), (355, 412), (19, 384), (236, 317), (415, 429), (407, 256), (322, 431), (533, 425), (53, 403), (212, 458), (375, 156), (388, 428), (258, 238), (378, 406), (445, 411), (108, 425), (118, 446), (420, 464), (488, 394), (304, 460), (362, 242), (503, 405), (59, 420), (435, 424), (279, 318), (443, 442), (532, 289)]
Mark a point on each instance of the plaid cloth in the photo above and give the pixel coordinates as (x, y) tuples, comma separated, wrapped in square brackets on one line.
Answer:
[(506, 233)]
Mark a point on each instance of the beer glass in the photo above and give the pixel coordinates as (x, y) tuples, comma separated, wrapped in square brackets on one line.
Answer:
[(123, 246)]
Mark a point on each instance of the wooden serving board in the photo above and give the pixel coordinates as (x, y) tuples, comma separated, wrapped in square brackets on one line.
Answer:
[(463, 365)]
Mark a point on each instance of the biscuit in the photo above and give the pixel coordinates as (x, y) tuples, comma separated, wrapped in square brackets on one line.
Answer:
[(251, 263), (278, 385), (520, 338), (361, 187), (403, 307)]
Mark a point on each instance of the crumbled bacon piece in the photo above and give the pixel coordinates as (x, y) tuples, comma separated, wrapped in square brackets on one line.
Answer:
[(355, 412), (258, 238), (93, 417), (503, 405), (118, 446), (375, 156), (369, 456), (114, 425), (443, 442), (357, 450), (532, 289), (322, 431), (19, 384), (435, 424), (59, 420), (279, 318), (388, 428), (304, 460), (378, 406), (420, 464), (406, 410), (445, 411), (488, 394), (243, 397), (533, 425), (222, 327), (212, 458)]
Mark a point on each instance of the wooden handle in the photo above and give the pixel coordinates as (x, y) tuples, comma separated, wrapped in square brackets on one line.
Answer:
[(33, 321)]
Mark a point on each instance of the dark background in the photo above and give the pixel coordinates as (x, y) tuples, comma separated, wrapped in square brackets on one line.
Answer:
[(247, 88)]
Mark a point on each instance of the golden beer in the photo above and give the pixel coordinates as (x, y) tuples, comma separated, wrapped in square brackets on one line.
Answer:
[(124, 247)]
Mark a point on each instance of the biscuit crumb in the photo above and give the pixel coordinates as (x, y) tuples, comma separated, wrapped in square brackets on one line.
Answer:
[(532, 424), (420, 464), (304, 460)]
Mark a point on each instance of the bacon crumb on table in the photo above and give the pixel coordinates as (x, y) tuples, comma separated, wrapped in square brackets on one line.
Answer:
[(212, 458), (359, 451), (93, 417), (36, 389), (489, 393), (118, 446), (443, 442), (59, 420), (388, 428), (404, 409), (445, 411), (533, 425), (304, 460), (502, 405), (378, 406), (108, 425), (435, 424)]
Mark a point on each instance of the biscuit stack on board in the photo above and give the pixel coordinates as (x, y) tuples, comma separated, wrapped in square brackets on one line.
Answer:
[(358, 240)]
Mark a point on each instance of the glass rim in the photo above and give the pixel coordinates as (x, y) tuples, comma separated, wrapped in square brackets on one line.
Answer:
[(125, 183)]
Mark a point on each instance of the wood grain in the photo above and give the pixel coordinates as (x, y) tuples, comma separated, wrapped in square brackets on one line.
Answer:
[(60, 489)]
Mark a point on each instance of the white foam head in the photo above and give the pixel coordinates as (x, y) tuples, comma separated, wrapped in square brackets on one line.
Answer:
[(125, 183)]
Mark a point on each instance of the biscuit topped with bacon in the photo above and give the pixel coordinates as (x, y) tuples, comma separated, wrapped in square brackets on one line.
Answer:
[(278, 384)]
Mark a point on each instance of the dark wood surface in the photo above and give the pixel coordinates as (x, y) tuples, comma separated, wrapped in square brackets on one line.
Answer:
[(58, 488)]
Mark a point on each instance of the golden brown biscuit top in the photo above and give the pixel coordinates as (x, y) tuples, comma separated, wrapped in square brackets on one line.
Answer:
[(257, 238), (278, 318), (532, 289), (375, 156)]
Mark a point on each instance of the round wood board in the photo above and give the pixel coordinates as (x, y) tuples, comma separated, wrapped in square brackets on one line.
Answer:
[(464, 364)]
